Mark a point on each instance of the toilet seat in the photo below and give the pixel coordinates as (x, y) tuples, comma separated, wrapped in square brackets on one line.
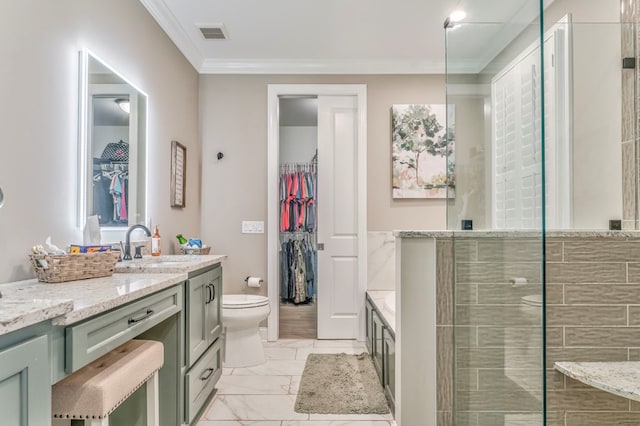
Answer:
[(243, 301)]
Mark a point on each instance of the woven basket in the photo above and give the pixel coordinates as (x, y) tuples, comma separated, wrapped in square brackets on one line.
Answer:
[(71, 267), (195, 250)]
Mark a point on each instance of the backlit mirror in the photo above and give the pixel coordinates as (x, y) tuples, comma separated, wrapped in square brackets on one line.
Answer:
[(112, 149)]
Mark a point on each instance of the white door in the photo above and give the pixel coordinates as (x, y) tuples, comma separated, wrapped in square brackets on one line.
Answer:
[(339, 298)]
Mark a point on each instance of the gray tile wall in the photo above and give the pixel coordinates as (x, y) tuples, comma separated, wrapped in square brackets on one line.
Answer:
[(593, 314), (444, 330), (595, 308), (630, 125), (498, 362)]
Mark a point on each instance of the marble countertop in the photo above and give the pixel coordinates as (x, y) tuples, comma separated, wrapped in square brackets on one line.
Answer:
[(620, 378), (169, 263), (378, 297), (17, 312), (28, 302), (516, 233)]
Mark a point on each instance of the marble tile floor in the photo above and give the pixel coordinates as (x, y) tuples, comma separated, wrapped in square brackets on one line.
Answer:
[(265, 395)]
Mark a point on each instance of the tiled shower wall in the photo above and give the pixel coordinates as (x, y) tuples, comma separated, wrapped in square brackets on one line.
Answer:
[(498, 355), (630, 17), (593, 314), (444, 330)]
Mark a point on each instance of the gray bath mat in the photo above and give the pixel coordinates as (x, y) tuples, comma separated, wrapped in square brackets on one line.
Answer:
[(340, 384)]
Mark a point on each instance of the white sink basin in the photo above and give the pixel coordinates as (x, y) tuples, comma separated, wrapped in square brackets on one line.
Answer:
[(390, 302), (152, 264)]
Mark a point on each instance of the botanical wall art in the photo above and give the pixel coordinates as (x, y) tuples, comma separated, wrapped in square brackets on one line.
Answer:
[(423, 151)]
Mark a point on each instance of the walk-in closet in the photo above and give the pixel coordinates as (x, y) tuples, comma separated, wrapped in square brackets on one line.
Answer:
[(298, 264)]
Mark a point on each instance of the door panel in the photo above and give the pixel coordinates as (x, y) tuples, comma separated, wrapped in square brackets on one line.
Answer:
[(339, 303), (345, 204), (343, 296)]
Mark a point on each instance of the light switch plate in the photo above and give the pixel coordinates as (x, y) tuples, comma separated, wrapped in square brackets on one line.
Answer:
[(252, 227)]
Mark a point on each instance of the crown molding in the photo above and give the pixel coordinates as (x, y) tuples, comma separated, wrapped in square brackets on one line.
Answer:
[(304, 66), (171, 26)]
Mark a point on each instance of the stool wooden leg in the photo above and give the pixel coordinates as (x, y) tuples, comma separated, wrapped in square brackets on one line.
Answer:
[(153, 406)]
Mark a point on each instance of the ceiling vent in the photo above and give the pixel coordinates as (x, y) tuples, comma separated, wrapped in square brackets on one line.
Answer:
[(214, 32)]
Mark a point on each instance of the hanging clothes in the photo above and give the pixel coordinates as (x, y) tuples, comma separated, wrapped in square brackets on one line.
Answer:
[(298, 265), (110, 187), (298, 256), (297, 197)]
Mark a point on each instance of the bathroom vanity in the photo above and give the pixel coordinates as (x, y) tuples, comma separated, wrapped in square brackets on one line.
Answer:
[(48, 331), (381, 341)]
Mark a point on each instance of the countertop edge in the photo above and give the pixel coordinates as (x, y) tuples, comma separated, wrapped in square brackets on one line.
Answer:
[(385, 313), (36, 316), (565, 368), (516, 233)]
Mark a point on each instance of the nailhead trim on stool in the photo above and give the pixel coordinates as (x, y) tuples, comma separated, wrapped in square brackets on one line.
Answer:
[(94, 391)]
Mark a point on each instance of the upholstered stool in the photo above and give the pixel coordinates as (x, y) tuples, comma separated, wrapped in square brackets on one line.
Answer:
[(94, 391)]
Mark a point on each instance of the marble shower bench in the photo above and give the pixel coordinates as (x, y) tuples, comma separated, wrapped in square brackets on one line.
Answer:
[(620, 378)]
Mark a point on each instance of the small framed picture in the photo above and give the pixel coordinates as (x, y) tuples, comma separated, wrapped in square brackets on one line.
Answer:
[(178, 174)]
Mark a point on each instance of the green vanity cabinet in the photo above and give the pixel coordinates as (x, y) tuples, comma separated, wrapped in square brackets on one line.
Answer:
[(378, 326), (90, 339), (389, 367), (25, 386), (368, 308), (203, 339), (381, 343), (204, 312)]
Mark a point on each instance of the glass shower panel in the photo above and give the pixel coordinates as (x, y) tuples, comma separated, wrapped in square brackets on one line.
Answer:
[(495, 89)]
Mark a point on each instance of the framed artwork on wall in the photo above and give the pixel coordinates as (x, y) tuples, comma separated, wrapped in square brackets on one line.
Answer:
[(422, 141), (178, 174)]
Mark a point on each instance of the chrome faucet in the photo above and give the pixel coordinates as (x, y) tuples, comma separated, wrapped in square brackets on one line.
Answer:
[(127, 243)]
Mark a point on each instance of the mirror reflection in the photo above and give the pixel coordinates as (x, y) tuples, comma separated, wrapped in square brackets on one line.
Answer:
[(114, 147)]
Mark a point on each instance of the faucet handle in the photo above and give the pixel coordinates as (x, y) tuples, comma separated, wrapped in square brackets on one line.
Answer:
[(138, 254)]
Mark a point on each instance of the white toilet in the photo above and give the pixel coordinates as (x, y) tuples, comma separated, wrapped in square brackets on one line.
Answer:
[(525, 345), (241, 314)]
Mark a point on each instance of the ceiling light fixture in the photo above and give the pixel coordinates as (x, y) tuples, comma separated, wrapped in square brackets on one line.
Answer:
[(124, 105), (457, 15)]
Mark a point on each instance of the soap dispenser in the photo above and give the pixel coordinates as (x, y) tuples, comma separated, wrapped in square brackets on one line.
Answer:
[(155, 243)]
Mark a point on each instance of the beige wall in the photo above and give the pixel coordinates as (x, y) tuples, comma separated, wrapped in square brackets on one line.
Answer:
[(40, 44), (233, 113)]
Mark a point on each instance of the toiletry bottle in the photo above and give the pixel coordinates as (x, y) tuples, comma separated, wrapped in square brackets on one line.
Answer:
[(182, 240), (155, 243)]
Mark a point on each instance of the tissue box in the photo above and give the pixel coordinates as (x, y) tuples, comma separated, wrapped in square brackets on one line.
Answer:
[(75, 248)]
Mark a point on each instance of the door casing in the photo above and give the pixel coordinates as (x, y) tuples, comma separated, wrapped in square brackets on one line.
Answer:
[(273, 155)]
